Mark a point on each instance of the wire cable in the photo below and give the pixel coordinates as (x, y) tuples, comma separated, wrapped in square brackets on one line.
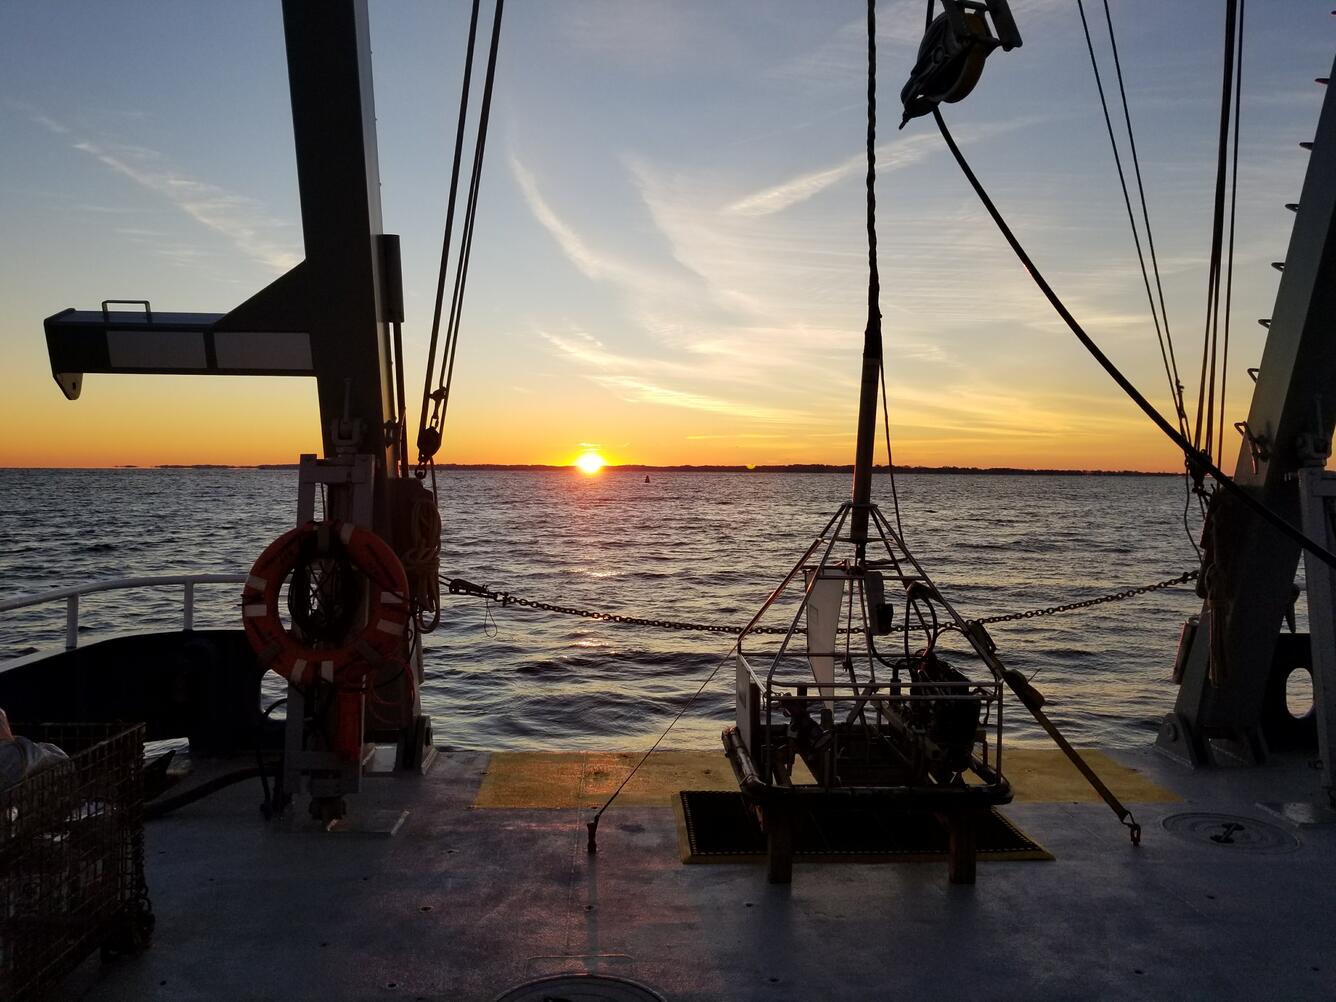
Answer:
[(1206, 391), (449, 230), (1233, 204), (890, 459), (1145, 212), (470, 218), (1198, 458), (1169, 370), (592, 824), (1166, 341)]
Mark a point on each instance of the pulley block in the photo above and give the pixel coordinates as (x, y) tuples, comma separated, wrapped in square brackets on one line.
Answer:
[(952, 53)]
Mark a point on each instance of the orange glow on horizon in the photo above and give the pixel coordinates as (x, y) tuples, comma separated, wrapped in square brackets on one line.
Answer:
[(245, 421)]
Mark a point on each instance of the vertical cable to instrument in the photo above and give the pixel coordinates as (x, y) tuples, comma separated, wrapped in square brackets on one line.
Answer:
[(872, 335), (890, 458), (1233, 203), (866, 437)]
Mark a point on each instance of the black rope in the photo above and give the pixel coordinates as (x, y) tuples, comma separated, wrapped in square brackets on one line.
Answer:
[(1170, 371), (592, 824), (872, 334), (1199, 459), (1145, 214), (471, 213), (1233, 204), (1206, 391), (423, 446), (890, 459)]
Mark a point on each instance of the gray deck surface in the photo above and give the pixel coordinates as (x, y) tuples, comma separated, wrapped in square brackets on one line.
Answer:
[(249, 912)]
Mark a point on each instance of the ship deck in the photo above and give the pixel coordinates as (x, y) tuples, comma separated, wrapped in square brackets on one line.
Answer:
[(487, 884)]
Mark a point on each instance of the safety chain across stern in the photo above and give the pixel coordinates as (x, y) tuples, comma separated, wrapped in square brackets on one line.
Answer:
[(460, 586)]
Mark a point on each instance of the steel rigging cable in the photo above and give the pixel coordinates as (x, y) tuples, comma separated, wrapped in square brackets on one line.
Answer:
[(435, 402), (1199, 459), (1233, 205), (1162, 334), (1204, 428), (1161, 315)]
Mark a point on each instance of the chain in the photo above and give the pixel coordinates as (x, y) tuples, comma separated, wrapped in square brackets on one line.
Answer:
[(459, 586), (1116, 596)]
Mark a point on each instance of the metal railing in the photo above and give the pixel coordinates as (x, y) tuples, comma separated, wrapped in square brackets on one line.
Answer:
[(73, 593)]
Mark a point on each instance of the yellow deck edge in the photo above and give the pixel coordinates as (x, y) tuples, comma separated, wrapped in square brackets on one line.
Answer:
[(566, 780)]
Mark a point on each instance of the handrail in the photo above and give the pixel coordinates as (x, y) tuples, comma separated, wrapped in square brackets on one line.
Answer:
[(72, 593)]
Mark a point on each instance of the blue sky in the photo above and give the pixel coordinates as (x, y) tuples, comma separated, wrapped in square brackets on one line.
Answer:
[(669, 262)]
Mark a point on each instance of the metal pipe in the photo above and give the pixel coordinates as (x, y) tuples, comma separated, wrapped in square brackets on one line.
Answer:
[(867, 437), (188, 610), (116, 584)]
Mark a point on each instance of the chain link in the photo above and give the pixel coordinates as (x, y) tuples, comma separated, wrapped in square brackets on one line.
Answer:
[(459, 586), (1116, 596)]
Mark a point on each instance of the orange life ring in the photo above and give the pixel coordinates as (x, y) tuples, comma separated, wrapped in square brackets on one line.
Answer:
[(378, 641)]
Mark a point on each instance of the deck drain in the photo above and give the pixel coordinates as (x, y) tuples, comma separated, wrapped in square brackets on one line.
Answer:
[(1229, 831), (580, 988)]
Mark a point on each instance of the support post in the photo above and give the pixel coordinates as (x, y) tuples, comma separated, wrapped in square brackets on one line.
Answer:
[(1217, 715)]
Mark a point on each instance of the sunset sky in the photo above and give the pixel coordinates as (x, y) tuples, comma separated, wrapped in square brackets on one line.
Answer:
[(669, 264)]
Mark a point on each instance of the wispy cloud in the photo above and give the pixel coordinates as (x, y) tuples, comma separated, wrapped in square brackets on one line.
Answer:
[(590, 264), (238, 218), (903, 152), (648, 36), (589, 351), (637, 390)]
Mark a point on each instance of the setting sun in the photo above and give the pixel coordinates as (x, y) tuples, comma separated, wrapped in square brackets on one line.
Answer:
[(590, 462)]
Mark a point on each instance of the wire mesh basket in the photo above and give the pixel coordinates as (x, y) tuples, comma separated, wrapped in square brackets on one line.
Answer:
[(72, 857)]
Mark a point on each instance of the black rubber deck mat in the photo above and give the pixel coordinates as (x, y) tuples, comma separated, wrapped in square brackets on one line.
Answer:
[(716, 826)]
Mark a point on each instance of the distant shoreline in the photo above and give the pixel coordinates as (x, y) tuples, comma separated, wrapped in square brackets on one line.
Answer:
[(641, 468), (822, 468)]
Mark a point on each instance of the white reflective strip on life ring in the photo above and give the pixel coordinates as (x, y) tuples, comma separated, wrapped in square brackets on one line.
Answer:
[(393, 629), (391, 598), (250, 611), (327, 670), (298, 670), (257, 583), (346, 532)]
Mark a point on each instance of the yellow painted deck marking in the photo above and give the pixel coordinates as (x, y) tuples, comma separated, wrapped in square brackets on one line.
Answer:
[(586, 779), (1044, 776)]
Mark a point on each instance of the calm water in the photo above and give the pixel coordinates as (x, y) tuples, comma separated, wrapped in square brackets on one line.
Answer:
[(701, 547)]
